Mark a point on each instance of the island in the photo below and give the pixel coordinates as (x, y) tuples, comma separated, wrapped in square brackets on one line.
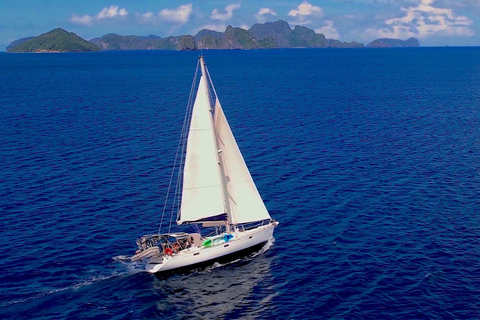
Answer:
[(269, 35), (57, 40), (393, 43)]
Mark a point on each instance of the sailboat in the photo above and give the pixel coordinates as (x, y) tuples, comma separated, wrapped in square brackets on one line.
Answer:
[(217, 198)]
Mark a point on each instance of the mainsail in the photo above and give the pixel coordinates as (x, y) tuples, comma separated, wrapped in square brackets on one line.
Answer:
[(216, 180), (202, 195)]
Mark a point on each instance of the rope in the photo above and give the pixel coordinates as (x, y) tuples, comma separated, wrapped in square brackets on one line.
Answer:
[(180, 152), (213, 100)]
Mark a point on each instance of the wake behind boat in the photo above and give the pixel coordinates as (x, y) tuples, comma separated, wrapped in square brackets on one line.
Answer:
[(214, 194)]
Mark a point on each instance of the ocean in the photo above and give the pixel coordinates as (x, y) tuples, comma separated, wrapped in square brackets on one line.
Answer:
[(368, 158)]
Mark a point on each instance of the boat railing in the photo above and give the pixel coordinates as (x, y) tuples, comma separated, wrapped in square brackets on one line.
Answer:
[(148, 241), (253, 225), (170, 246)]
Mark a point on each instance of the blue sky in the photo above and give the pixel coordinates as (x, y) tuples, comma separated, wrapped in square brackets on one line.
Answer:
[(433, 22)]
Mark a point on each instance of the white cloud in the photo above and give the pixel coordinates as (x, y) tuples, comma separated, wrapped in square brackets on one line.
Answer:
[(85, 20), (423, 21), (261, 14), (178, 16), (228, 12), (305, 9), (106, 13), (111, 12), (146, 18), (181, 14), (147, 15), (328, 30)]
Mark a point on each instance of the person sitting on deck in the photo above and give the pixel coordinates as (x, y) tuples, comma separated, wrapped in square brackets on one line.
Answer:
[(176, 247), (188, 243)]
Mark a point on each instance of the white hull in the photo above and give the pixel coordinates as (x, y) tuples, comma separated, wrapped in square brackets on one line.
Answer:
[(242, 240)]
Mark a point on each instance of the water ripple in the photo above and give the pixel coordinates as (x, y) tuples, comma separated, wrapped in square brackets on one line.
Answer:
[(368, 158)]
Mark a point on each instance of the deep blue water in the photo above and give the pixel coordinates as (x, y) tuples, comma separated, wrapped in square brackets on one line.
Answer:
[(370, 160)]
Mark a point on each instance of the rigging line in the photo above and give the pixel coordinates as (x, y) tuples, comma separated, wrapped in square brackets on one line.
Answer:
[(196, 229), (170, 185), (226, 194), (211, 84), (176, 205), (180, 143), (176, 201), (179, 184)]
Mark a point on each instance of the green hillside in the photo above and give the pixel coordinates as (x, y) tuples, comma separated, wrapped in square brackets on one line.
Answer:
[(57, 40)]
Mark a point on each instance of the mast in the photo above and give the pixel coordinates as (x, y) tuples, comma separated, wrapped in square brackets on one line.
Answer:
[(206, 75), (202, 198)]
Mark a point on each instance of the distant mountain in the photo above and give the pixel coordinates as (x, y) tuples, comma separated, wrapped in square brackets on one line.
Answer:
[(208, 39), (17, 42), (57, 40), (280, 35), (275, 33), (268, 35), (337, 44), (260, 36), (114, 41), (393, 43)]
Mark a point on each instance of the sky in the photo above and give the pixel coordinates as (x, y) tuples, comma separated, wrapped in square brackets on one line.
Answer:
[(432, 22)]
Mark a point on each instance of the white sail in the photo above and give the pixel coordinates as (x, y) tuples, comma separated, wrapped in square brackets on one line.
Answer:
[(244, 201), (218, 190), (216, 178), (202, 195)]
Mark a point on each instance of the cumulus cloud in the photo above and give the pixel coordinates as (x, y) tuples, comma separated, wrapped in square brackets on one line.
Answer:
[(216, 15), (262, 13), (111, 12), (85, 20), (146, 18), (147, 15), (305, 9), (328, 30), (106, 13), (424, 20), (180, 15)]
